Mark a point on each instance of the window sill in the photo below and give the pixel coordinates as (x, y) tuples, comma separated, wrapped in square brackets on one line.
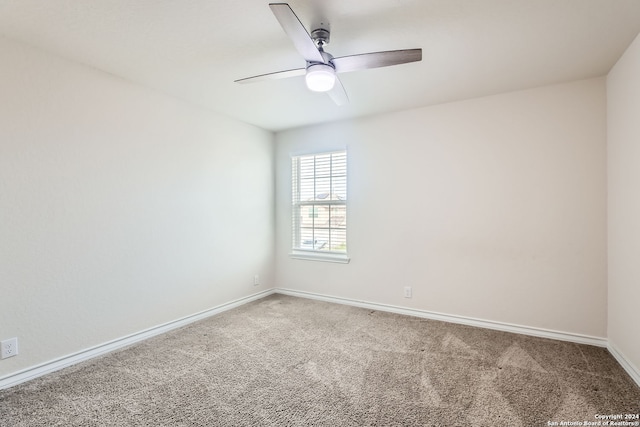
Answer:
[(338, 257)]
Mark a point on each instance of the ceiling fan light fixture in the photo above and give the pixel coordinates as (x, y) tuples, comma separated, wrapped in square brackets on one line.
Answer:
[(320, 77)]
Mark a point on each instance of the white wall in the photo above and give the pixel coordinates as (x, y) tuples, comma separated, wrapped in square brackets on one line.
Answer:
[(492, 208), (120, 208), (623, 151)]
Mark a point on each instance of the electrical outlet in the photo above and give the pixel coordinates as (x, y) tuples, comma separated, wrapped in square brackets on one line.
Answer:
[(256, 280), (8, 348), (407, 291)]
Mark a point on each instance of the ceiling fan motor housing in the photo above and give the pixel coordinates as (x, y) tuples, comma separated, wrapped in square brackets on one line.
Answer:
[(320, 36)]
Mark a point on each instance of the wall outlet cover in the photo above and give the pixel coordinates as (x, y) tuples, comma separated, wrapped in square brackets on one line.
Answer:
[(407, 291), (8, 348)]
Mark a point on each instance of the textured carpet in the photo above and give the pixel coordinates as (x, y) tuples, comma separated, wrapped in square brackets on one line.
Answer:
[(288, 361)]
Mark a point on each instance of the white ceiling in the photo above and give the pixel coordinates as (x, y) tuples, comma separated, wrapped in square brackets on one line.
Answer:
[(195, 49)]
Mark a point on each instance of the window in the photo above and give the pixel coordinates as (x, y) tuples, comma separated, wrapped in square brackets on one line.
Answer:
[(319, 183)]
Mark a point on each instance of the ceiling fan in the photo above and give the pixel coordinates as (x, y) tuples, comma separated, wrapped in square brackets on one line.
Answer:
[(322, 68)]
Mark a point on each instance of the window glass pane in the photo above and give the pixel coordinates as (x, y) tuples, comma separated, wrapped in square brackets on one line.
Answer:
[(339, 176), (306, 238), (339, 166), (323, 188), (323, 166), (338, 240), (322, 240), (323, 217), (306, 167), (339, 188), (308, 216), (306, 189), (338, 217)]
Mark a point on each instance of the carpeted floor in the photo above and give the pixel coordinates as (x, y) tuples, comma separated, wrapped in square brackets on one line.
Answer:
[(285, 361)]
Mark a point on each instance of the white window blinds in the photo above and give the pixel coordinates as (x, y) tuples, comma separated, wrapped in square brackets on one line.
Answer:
[(320, 202)]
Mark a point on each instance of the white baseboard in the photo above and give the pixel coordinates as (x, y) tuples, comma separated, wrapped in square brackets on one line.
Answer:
[(83, 355), (470, 321), (631, 369)]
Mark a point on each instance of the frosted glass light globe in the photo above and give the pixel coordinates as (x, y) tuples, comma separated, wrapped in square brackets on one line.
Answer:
[(320, 77)]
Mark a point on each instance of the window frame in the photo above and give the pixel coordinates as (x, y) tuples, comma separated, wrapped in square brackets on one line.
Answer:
[(297, 205)]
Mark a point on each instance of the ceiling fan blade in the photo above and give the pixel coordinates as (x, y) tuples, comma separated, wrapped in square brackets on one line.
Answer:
[(338, 94), (296, 32), (273, 76), (364, 61)]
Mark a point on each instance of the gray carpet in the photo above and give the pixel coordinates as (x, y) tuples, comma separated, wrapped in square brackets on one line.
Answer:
[(286, 361)]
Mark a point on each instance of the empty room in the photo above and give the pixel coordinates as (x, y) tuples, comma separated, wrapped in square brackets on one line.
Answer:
[(193, 234)]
